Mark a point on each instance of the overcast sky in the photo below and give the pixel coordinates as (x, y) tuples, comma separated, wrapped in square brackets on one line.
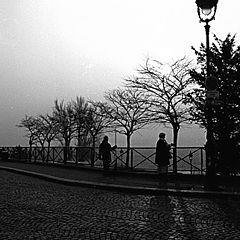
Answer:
[(66, 48)]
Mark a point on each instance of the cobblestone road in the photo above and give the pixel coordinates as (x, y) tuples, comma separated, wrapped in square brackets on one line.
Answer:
[(36, 209)]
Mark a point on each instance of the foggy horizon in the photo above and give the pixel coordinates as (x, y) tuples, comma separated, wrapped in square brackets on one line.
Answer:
[(62, 49)]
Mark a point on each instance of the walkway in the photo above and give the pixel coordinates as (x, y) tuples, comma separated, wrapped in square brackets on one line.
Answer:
[(139, 183), (33, 208)]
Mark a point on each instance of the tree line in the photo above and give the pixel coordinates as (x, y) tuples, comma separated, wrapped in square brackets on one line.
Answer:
[(159, 93)]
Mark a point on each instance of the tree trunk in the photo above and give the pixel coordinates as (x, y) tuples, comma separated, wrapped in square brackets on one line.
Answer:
[(30, 151), (42, 153), (93, 151), (78, 150), (128, 150), (66, 151), (175, 141), (48, 150)]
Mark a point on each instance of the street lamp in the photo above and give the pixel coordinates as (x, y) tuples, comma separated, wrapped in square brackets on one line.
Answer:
[(206, 12), (206, 9)]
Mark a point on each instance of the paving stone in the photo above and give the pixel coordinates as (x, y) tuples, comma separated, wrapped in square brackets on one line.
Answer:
[(36, 209)]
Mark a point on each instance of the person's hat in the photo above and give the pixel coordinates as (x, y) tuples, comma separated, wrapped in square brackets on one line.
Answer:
[(162, 135)]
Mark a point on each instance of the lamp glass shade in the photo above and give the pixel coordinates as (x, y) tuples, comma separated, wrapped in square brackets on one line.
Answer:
[(207, 11)]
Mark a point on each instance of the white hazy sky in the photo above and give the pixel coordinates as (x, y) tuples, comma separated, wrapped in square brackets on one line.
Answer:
[(66, 48)]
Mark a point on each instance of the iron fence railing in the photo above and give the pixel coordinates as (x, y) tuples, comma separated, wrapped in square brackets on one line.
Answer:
[(190, 160)]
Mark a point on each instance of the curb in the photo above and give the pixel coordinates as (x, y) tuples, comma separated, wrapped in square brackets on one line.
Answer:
[(124, 188)]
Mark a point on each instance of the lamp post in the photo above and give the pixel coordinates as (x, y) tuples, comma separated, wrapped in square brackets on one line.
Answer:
[(206, 12)]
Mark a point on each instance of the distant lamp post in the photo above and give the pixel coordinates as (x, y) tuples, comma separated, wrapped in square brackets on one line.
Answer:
[(206, 12)]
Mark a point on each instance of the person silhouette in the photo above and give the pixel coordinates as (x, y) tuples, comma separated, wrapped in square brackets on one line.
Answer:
[(163, 154), (105, 149)]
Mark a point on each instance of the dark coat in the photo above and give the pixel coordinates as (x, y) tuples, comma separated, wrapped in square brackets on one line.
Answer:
[(105, 151), (162, 153)]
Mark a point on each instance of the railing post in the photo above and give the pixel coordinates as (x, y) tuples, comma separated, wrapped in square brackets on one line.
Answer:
[(65, 154), (30, 154), (131, 159), (190, 160), (53, 150), (76, 159), (175, 167), (35, 154), (201, 161), (92, 156), (115, 161), (121, 159)]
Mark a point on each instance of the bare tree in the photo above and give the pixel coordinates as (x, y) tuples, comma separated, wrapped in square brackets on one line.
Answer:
[(166, 86), (80, 108), (63, 115), (96, 123), (47, 131), (129, 110), (29, 123)]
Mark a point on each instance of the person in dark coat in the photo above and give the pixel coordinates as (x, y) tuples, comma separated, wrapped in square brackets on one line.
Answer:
[(105, 152), (163, 154)]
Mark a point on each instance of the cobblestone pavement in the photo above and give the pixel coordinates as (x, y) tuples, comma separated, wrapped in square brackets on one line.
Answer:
[(36, 209)]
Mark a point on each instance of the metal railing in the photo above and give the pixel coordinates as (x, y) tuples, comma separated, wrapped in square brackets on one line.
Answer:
[(190, 160)]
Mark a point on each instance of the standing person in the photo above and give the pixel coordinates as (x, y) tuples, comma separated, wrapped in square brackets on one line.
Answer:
[(105, 153), (163, 154)]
